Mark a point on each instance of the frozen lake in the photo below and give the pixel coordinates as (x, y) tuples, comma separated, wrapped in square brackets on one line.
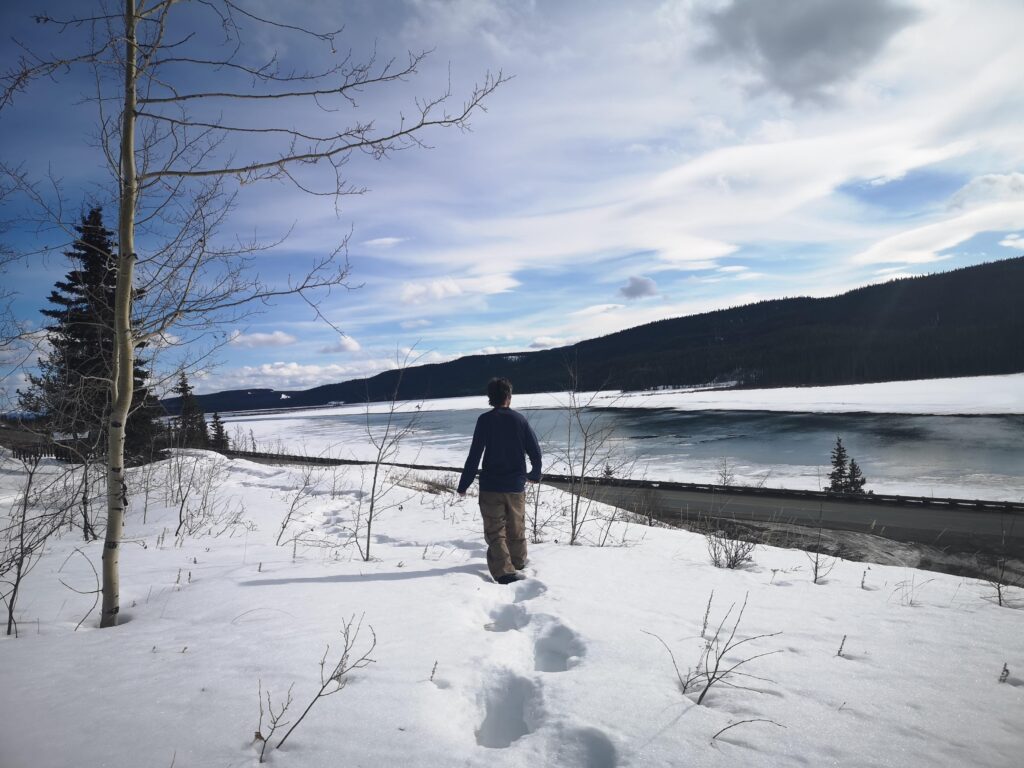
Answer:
[(947, 456)]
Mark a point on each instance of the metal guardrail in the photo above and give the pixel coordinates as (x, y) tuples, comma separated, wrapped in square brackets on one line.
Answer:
[(729, 490)]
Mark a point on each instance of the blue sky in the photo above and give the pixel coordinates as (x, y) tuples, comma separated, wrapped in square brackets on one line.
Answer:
[(649, 159)]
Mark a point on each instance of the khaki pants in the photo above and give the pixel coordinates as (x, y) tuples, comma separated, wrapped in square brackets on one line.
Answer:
[(504, 531)]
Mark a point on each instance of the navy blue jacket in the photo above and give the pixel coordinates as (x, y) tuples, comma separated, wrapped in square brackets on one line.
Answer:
[(504, 438)]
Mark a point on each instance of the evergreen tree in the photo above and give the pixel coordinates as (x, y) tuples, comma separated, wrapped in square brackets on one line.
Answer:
[(856, 480), (839, 477), (72, 389), (192, 430), (219, 437)]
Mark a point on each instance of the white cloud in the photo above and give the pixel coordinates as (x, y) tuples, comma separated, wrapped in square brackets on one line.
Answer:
[(342, 344), (990, 188), (290, 375), (450, 287), (413, 324), (253, 340), (923, 244), (431, 290), (596, 309), (1015, 241), (384, 242)]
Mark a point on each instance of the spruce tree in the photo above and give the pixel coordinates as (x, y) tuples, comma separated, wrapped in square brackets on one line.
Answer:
[(192, 430), (72, 390), (219, 437), (840, 475), (856, 480)]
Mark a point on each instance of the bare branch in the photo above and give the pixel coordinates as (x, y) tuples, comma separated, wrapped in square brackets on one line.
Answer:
[(30, 67), (339, 673), (327, 37), (354, 79), (378, 147)]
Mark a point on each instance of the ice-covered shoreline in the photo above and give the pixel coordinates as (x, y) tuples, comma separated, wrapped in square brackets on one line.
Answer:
[(969, 396), (318, 431)]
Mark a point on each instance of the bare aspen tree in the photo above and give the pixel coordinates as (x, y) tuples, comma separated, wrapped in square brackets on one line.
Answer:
[(589, 452), (35, 514), (172, 152), (386, 439)]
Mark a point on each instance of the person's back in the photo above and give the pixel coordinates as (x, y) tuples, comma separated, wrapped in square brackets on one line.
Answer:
[(504, 439), (507, 441)]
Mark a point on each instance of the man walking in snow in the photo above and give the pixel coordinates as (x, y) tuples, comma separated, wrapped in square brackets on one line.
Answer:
[(504, 438)]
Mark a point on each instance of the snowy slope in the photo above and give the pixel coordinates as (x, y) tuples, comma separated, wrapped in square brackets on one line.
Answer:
[(555, 671)]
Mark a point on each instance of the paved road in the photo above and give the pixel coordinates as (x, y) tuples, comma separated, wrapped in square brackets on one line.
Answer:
[(965, 530), (959, 525)]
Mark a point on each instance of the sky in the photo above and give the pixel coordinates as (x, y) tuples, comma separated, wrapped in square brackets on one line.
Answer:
[(645, 160)]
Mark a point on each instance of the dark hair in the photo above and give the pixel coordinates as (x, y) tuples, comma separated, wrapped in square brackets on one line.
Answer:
[(498, 392)]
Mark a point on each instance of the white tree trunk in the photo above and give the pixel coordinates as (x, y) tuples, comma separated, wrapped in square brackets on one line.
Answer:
[(122, 381)]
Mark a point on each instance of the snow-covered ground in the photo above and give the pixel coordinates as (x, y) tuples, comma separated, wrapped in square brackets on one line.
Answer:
[(563, 669)]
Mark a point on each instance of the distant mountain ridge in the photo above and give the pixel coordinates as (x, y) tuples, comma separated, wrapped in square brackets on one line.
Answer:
[(966, 322)]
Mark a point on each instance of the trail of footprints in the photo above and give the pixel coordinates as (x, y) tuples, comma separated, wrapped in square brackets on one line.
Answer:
[(513, 704)]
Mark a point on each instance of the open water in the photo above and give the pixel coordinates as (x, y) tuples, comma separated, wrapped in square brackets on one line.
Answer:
[(942, 456)]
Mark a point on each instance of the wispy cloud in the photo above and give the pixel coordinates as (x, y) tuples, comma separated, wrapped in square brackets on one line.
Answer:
[(451, 287), (989, 203), (384, 242), (596, 309), (253, 340)]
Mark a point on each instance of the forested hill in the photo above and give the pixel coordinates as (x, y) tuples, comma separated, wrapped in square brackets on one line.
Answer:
[(967, 322)]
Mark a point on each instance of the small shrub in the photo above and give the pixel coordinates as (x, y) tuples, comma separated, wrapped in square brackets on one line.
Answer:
[(712, 667), (727, 552)]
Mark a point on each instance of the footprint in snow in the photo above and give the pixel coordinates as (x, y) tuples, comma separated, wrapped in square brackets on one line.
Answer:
[(527, 590), (512, 709), (584, 748), (557, 648), (508, 617)]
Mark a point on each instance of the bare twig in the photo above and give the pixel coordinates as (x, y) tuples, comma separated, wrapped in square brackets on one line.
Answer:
[(741, 722), (337, 674)]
